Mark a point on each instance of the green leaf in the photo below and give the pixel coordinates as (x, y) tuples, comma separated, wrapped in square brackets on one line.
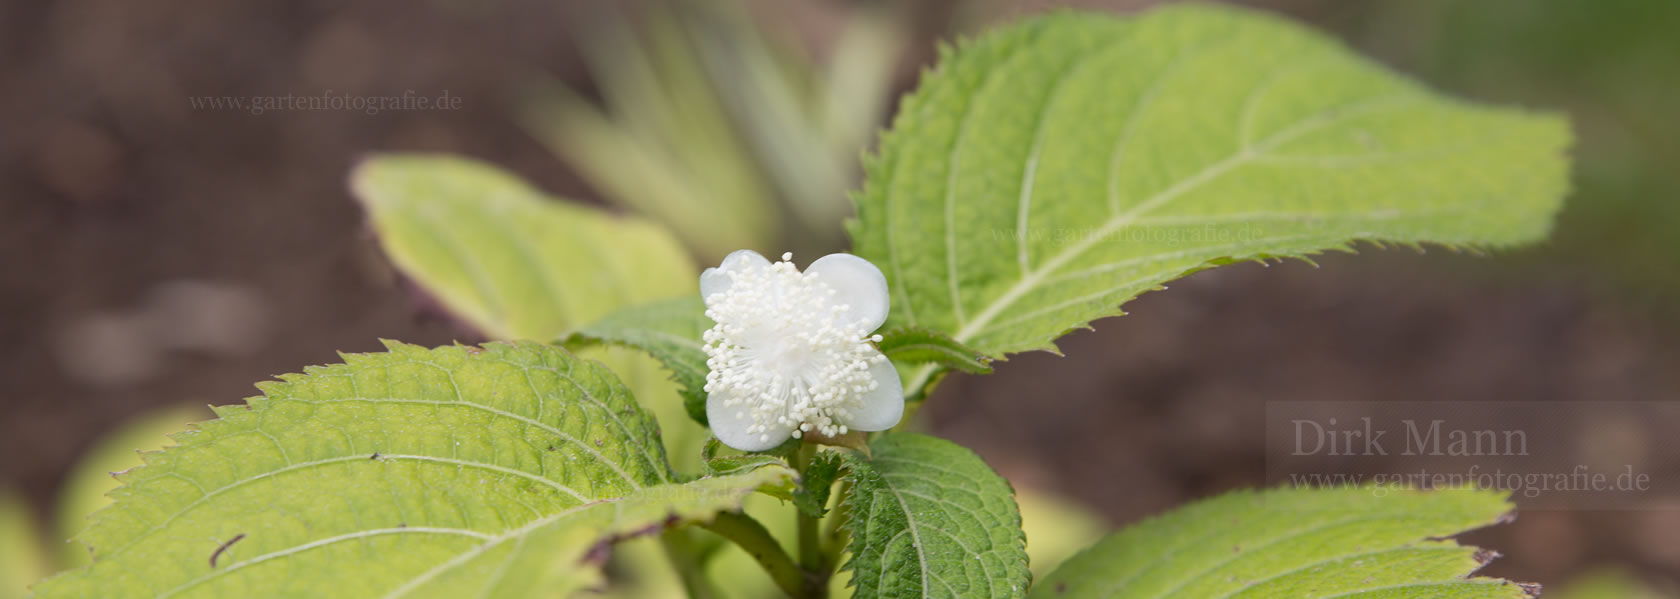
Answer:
[(447, 472), (928, 518), (917, 345), (23, 559), (670, 332), (1609, 582), (1056, 528), (1297, 543), (816, 483), (517, 264), (86, 489), (1050, 171), (507, 258)]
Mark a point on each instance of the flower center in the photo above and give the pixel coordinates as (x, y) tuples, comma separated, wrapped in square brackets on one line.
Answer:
[(784, 353)]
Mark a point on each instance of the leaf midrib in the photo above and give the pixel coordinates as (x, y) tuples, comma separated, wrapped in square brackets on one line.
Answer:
[(1028, 283)]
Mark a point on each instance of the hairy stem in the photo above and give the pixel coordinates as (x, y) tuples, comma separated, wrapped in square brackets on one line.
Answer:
[(811, 557), (752, 537)]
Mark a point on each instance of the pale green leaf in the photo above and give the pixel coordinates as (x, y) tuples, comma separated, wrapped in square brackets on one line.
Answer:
[(450, 472), (1056, 527), (928, 518), (653, 387), (517, 264), (1298, 543), (1609, 583), (1048, 172), (23, 559), (508, 259), (86, 488), (670, 332)]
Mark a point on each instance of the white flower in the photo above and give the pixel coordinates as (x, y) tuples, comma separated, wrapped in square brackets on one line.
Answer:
[(793, 352)]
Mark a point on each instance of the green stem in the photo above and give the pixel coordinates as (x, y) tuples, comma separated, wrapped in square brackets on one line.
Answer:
[(810, 547), (680, 550), (811, 557), (752, 537)]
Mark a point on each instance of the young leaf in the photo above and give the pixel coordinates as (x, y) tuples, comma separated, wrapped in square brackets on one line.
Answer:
[(917, 345), (508, 259), (928, 518), (816, 483), (447, 472), (1048, 172), (1298, 542), (730, 464), (670, 332)]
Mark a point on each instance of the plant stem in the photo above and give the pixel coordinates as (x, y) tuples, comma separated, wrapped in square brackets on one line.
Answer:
[(752, 537), (811, 557), (810, 549), (680, 550)]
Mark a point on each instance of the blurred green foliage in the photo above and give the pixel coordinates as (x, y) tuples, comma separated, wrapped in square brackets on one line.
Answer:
[(728, 132), (1614, 66), (1608, 583), (85, 489), (22, 558)]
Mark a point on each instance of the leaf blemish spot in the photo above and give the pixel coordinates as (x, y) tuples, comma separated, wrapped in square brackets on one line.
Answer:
[(224, 547)]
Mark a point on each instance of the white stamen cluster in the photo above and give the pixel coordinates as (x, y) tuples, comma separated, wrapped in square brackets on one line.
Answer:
[(784, 352)]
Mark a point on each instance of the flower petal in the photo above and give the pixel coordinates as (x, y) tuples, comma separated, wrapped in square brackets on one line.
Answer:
[(730, 424), (882, 408), (856, 282), (716, 280)]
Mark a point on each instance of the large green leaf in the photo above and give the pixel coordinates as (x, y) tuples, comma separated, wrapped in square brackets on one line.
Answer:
[(447, 472), (928, 518), (669, 331), (519, 265), (505, 257), (1048, 172), (1298, 543)]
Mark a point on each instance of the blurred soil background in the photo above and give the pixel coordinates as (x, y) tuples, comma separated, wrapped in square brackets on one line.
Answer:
[(156, 253)]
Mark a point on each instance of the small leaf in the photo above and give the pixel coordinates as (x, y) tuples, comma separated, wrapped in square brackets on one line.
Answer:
[(914, 345), (928, 518), (508, 259), (816, 482), (670, 332), (456, 471), (1048, 172), (718, 465), (1297, 542)]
